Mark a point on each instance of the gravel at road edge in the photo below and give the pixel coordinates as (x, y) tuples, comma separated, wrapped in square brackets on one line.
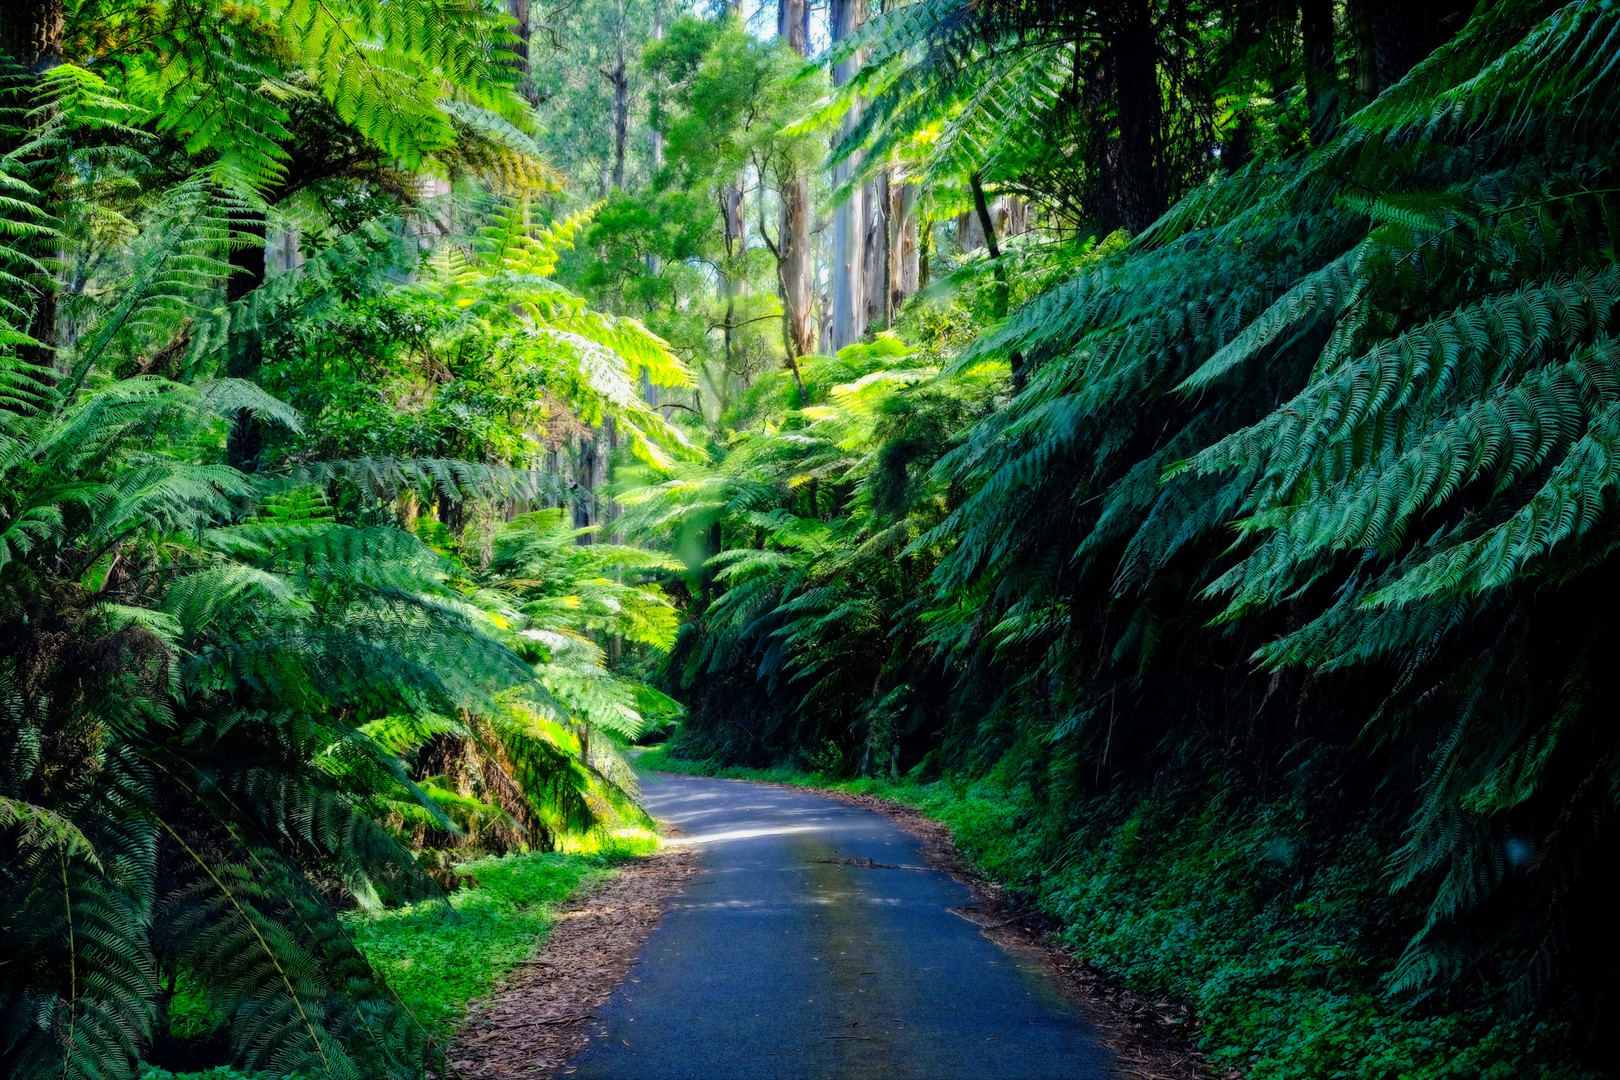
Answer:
[(1155, 1040), (539, 1016)]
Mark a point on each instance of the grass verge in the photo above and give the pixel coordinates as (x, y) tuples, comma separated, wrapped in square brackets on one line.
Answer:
[(441, 957), (440, 960)]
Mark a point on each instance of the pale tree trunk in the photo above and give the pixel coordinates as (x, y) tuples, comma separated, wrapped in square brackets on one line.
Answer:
[(824, 307), (731, 216), (793, 24), (619, 77), (849, 219), (875, 266), (609, 434), (969, 233), (655, 137), (894, 246), (795, 269), (910, 247), (849, 232), (795, 265), (1012, 216)]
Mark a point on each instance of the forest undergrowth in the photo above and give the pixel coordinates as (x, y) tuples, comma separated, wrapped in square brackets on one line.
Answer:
[(442, 956)]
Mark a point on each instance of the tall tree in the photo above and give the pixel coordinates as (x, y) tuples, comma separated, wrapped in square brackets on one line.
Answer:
[(875, 261), (849, 217), (795, 259), (522, 49), (618, 76)]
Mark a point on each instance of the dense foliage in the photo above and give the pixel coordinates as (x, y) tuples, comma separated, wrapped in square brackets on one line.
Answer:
[(1181, 434), (267, 661), (1305, 492)]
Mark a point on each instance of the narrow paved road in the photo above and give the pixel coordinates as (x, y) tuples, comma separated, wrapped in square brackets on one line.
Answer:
[(782, 961)]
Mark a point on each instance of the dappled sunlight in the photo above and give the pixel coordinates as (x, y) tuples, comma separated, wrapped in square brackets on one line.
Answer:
[(738, 834)]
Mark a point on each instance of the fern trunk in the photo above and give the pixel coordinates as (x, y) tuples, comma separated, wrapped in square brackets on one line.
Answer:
[(1406, 31), (1321, 72), (245, 442), (31, 34), (1138, 174)]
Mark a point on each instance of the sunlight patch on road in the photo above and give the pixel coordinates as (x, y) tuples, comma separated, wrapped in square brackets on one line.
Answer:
[(737, 834)]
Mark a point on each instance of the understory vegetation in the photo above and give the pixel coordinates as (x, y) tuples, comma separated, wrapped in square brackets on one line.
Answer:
[(1174, 443), (440, 960)]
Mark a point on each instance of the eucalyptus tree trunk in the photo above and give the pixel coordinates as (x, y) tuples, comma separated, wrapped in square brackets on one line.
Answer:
[(523, 28), (794, 257), (619, 77), (731, 217), (31, 39), (587, 469), (655, 135), (793, 24), (875, 265), (849, 219), (908, 256)]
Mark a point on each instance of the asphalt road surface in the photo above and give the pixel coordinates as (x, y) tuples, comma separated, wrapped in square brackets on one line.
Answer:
[(783, 961)]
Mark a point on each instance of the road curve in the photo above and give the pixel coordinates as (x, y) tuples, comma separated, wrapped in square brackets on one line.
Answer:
[(783, 961)]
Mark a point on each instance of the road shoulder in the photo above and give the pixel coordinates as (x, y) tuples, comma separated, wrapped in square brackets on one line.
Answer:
[(539, 1017), (1156, 1040)]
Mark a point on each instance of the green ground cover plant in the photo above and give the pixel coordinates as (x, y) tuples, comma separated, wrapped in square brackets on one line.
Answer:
[(439, 957)]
